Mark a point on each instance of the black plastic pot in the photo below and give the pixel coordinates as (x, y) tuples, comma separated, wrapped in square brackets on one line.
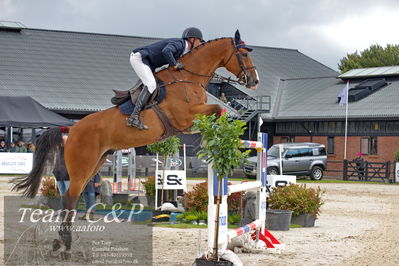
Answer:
[(279, 220), (204, 262), (305, 220)]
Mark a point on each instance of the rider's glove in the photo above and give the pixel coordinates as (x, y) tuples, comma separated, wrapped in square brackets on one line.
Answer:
[(179, 66)]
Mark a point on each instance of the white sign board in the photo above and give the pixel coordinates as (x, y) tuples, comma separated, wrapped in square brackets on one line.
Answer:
[(15, 163), (397, 173), (280, 180), (175, 179)]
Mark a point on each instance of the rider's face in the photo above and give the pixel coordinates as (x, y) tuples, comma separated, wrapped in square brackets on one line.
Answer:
[(195, 42)]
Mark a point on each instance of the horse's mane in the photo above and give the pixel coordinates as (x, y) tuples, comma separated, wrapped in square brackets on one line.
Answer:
[(196, 49), (202, 45)]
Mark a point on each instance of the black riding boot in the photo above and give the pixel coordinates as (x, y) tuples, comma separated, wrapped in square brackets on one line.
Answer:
[(134, 119)]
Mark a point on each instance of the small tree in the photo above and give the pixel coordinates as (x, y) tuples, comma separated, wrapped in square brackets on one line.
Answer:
[(374, 56), (221, 148), (166, 148)]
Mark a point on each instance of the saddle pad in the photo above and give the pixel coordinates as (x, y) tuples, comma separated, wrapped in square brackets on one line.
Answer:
[(127, 107)]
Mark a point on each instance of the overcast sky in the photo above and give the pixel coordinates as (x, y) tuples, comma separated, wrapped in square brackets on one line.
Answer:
[(325, 30)]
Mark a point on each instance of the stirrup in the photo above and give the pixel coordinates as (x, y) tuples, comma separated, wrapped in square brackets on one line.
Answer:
[(135, 122)]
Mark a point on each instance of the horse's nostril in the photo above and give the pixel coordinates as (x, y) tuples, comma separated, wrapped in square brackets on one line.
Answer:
[(257, 81)]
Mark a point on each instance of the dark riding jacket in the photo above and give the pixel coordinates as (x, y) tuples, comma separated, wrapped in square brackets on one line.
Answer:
[(161, 53)]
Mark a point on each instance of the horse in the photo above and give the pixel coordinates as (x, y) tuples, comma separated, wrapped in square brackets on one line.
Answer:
[(95, 136)]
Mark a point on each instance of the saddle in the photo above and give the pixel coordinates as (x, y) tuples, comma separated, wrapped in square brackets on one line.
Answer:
[(121, 99)]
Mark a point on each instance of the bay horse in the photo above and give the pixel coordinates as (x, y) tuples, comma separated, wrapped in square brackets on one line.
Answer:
[(91, 139)]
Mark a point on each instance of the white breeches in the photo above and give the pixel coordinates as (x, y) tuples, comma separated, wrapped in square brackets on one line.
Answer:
[(143, 71)]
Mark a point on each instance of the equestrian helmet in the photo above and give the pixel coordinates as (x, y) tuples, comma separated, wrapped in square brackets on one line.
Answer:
[(192, 32)]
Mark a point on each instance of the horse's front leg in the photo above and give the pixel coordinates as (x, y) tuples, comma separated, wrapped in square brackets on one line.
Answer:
[(206, 109)]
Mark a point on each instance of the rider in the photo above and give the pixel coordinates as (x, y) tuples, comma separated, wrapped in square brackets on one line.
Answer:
[(146, 59)]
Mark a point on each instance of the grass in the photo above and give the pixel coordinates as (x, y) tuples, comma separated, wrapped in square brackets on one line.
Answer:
[(295, 226)]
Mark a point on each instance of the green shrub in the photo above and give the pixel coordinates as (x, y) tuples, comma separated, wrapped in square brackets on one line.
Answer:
[(201, 215), (197, 199), (234, 218), (396, 156), (180, 217), (191, 217), (297, 198), (149, 186)]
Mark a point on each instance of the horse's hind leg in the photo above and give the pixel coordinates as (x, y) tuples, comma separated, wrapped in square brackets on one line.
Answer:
[(70, 202), (80, 171)]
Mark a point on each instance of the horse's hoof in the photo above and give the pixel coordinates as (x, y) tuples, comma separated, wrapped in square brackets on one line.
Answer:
[(66, 255), (56, 244), (55, 254)]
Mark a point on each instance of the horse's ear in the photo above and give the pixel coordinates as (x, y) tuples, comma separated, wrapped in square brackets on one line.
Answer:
[(237, 37)]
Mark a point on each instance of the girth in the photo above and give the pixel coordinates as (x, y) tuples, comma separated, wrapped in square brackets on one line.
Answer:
[(170, 130)]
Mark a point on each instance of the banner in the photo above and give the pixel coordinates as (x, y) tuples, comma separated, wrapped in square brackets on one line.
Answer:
[(397, 173), (15, 163), (175, 179)]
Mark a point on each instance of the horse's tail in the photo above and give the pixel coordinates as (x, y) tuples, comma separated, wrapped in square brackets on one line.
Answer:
[(50, 141)]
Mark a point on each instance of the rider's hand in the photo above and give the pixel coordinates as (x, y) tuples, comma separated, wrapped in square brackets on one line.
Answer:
[(179, 66)]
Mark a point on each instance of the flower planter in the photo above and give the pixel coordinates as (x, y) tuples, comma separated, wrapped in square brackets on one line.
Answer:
[(279, 220), (305, 220)]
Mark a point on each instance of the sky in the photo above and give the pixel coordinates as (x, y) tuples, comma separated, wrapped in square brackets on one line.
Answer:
[(325, 30)]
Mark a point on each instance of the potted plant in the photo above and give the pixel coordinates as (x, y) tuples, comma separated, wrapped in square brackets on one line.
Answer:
[(221, 148), (50, 192), (303, 201), (149, 186)]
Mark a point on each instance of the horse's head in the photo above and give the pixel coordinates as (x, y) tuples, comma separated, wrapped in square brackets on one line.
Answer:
[(240, 63)]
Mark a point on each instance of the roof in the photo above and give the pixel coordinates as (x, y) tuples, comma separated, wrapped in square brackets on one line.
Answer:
[(66, 71), (316, 98), (386, 71), (26, 112), (300, 144), (76, 72)]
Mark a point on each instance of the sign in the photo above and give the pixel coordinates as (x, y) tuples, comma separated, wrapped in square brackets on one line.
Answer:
[(175, 179), (397, 173), (280, 180), (15, 163)]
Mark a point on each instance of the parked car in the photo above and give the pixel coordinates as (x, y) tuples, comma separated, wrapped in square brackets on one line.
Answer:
[(300, 159)]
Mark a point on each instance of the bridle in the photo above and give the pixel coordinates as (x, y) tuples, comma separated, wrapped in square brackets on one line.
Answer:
[(242, 75)]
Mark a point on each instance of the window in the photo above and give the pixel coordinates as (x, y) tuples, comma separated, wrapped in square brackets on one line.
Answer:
[(322, 151), (305, 152), (293, 153), (330, 145), (369, 145), (373, 145)]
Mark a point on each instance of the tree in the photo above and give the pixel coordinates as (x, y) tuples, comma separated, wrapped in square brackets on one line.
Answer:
[(374, 56), (166, 148), (221, 147)]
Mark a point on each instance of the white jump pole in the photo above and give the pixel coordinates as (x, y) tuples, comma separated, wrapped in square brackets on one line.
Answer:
[(156, 182)]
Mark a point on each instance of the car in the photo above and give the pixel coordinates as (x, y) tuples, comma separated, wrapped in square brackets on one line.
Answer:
[(298, 158)]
